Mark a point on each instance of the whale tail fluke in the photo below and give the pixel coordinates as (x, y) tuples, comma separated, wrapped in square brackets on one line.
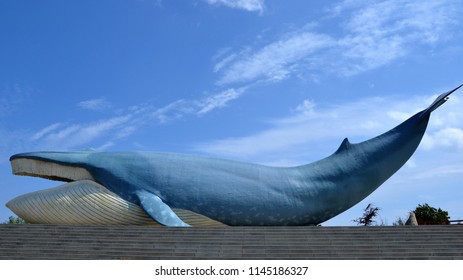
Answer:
[(441, 99)]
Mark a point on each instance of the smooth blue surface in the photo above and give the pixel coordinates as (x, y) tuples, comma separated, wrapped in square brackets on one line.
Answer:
[(238, 193)]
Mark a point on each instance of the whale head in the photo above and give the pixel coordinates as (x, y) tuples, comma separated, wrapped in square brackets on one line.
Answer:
[(81, 200)]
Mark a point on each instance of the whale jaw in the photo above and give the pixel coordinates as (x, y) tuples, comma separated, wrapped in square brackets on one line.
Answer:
[(49, 170)]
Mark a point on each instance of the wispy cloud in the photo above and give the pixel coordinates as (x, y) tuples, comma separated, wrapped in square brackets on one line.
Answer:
[(424, 20), (125, 122), (171, 111), (78, 135), (96, 104), (218, 100), (99, 134), (247, 5), (199, 107), (371, 34), (45, 131), (378, 32), (273, 62), (449, 137)]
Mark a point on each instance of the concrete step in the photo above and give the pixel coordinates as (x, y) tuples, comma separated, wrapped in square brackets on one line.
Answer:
[(136, 242)]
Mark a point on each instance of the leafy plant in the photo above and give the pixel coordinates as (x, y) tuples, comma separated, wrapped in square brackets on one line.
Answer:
[(15, 220), (427, 215)]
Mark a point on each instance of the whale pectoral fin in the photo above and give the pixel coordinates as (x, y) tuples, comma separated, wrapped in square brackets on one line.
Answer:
[(158, 210)]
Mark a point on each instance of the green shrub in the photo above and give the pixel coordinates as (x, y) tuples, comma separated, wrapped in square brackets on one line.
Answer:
[(15, 220), (427, 215)]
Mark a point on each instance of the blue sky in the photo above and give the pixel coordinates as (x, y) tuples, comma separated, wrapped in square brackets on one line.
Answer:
[(265, 81)]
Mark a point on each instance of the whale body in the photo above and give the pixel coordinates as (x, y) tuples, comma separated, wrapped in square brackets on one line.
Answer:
[(230, 192)]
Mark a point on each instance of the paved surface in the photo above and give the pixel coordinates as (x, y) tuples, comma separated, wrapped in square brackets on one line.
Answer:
[(132, 242)]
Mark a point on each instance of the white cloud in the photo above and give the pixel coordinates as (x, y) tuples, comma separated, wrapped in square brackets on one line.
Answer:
[(62, 136), (218, 100), (371, 34), (78, 135), (183, 107), (450, 137), (173, 111), (247, 5), (40, 134), (306, 108), (105, 146), (224, 62), (380, 32), (96, 129), (274, 61), (430, 17), (97, 104), (439, 171)]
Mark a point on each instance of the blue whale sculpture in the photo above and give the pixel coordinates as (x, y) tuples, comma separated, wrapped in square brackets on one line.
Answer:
[(237, 193)]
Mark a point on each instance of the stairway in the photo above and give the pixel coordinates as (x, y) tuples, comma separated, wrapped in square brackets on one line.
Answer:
[(141, 242)]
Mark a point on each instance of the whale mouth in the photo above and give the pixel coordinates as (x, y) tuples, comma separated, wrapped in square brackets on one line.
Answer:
[(49, 170), (80, 201)]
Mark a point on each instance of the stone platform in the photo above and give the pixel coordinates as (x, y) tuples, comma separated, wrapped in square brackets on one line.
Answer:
[(137, 242)]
